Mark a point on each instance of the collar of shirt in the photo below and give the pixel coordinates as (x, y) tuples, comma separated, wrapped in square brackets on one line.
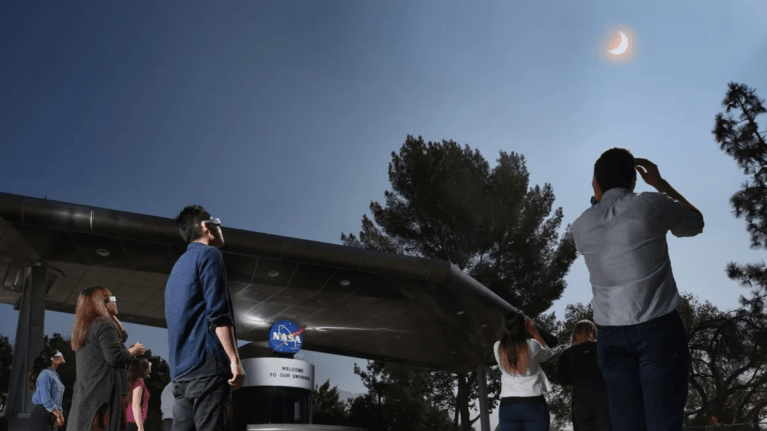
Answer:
[(615, 193), (195, 244)]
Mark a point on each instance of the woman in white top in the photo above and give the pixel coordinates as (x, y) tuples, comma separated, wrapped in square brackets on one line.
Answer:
[(523, 383)]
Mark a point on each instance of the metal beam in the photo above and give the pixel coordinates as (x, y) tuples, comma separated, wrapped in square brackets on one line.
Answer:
[(27, 346)]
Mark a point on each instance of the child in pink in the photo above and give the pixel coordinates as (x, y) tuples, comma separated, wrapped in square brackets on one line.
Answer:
[(138, 396)]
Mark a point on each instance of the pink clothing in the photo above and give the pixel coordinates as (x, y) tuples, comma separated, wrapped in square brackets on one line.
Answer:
[(144, 403)]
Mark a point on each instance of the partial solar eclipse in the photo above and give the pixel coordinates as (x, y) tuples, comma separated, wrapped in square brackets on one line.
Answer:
[(618, 45), (623, 46)]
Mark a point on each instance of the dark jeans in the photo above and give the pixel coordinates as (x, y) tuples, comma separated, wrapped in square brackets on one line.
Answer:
[(646, 368), (590, 408), (526, 416), (167, 424), (201, 404), (40, 419)]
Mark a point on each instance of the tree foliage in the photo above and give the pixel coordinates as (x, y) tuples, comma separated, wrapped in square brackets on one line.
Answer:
[(398, 398), (6, 360), (446, 203), (728, 380), (327, 407), (742, 139)]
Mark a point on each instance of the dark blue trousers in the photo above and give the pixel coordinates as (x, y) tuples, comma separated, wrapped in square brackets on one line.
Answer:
[(524, 416), (646, 368)]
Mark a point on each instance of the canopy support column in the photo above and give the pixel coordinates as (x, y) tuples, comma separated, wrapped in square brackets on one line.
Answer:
[(484, 412), (27, 346)]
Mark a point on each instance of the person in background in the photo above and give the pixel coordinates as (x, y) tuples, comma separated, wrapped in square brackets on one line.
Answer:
[(101, 355), (166, 407), (519, 354), (137, 400), (48, 391), (578, 367)]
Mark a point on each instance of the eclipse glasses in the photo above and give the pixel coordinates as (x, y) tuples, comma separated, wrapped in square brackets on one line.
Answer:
[(213, 220)]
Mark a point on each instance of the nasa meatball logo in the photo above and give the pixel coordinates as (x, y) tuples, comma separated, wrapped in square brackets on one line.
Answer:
[(286, 337)]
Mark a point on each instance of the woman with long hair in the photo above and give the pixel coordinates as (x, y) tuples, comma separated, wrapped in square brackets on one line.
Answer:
[(97, 339), (47, 391), (519, 354), (137, 401), (578, 367)]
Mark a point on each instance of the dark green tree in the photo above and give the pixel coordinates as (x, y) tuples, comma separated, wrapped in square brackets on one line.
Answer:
[(742, 139), (327, 407), (728, 379), (6, 359), (397, 399), (447, 203)]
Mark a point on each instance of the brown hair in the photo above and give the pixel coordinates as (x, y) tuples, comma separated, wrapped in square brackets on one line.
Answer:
[(138, 369), (585, 330), (514, 350), (91, 306)]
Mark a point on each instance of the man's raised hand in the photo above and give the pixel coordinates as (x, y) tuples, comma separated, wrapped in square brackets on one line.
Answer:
[(649, 172)]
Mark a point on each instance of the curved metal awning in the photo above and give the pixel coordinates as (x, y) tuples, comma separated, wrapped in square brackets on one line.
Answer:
[(355, 302)]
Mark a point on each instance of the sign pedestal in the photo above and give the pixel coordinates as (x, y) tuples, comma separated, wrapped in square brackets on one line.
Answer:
[(277, 393)]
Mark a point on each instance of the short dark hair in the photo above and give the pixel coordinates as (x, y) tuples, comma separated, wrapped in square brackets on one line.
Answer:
[(615, 169), (188, 222)]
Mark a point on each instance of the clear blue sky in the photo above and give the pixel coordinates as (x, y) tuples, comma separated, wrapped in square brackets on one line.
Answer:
[(280, 117)]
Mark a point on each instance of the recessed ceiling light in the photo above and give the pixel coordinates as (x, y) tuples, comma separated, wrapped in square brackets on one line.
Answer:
[(102, 252), (484, 325), (344, 282), (459, 312), (272, 273)]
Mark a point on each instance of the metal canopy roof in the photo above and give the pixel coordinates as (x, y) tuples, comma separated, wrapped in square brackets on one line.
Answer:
[(355, 302)]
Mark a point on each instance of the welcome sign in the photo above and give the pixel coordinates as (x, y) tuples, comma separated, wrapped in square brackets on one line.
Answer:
[(282, 372)]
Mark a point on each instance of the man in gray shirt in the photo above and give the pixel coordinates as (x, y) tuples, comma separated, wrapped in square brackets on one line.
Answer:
[(642, 343)]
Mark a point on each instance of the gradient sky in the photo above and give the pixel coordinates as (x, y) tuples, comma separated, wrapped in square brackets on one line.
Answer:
[(281, 116)]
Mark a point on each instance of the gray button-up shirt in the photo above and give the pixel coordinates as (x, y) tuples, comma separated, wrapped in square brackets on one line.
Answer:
[(623, 240)]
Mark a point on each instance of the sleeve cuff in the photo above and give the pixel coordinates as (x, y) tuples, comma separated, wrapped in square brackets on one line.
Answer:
[(225, 320)]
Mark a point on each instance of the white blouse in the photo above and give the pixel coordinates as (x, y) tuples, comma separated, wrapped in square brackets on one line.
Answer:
[(534, 382)]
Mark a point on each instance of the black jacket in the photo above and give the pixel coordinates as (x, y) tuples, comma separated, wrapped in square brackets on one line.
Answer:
[(578, 366)]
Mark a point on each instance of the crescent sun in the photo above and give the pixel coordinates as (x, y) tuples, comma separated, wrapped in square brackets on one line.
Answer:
[(623, 45)]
